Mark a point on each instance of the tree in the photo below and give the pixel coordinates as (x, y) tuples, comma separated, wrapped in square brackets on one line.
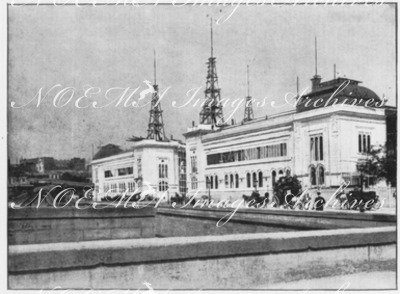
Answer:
[(378, 165), (284, 184)]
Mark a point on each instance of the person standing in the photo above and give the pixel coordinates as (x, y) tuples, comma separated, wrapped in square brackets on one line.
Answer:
[(319, 202), (266, 198)]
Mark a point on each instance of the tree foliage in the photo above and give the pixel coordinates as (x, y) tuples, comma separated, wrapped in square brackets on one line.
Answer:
[(379, 165), (287, 183)]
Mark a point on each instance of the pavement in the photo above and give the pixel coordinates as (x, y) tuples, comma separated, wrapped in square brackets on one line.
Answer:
[(359, 281), (383, 210)]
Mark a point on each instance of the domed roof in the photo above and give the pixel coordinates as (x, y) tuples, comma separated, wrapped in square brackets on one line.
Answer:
[(108, 150), (356, 91), (337, 91)]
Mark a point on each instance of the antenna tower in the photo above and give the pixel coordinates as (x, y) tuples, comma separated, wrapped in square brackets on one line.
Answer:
[(211, 114), (248, 110), (155, 130)]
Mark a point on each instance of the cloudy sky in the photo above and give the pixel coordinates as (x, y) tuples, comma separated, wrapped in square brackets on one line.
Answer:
[(111, 47)]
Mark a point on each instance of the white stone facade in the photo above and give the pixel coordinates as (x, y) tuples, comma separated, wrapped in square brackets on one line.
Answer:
[(265, 149), (150, 165)]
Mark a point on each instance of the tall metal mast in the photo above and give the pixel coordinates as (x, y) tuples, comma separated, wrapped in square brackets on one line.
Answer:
[(316, 57), (315, 81), (248, 110), (155, 129), (211, 114)]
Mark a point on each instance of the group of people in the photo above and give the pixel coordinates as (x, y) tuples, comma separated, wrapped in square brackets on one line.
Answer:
[(318, 204)]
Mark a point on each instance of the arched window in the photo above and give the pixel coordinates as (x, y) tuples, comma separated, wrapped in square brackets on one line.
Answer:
[(212, 182), (254, 180), (232, 183), (207, 182), (162, 186), (226, 181), (321, 175), (237, 180), (288, 172), (216, 182), (273, 177), (248, 178), (313, 178), (260, 179)]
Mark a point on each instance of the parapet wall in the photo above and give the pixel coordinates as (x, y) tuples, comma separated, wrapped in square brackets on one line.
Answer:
[(69, 224), (242, 261), (196, 222)]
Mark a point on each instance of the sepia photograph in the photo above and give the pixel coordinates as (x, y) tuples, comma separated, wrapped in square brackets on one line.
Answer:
[(200, 146)]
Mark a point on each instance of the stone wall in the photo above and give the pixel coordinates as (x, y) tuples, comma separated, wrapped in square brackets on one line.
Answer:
[(49, 225), (173, 222), (243, 261)]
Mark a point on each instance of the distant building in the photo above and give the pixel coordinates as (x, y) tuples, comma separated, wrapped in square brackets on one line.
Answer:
[(38, 165)]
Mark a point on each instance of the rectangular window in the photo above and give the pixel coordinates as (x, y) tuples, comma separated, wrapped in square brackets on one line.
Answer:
[(364, 142), (163, 171), (276, 150), (131, 186), (121, 187), (108, 174), (139, 167), (182, 171), (193, 164), (316, 148), (125, 171), (194, 183)]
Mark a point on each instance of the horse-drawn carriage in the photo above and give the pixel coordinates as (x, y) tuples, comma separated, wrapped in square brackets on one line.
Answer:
[(256, 200), (358, 199)]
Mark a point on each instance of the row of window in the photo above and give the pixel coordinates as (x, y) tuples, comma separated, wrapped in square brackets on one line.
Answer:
[(119, 172), (269, 151), (232, 180), (123, 187), (317, 178), (119, 187)]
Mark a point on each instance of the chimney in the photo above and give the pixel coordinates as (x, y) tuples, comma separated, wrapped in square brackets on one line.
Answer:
[(315, 81), (233, 121)]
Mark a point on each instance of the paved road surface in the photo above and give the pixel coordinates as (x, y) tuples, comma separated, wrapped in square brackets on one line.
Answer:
[(367, 280)]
